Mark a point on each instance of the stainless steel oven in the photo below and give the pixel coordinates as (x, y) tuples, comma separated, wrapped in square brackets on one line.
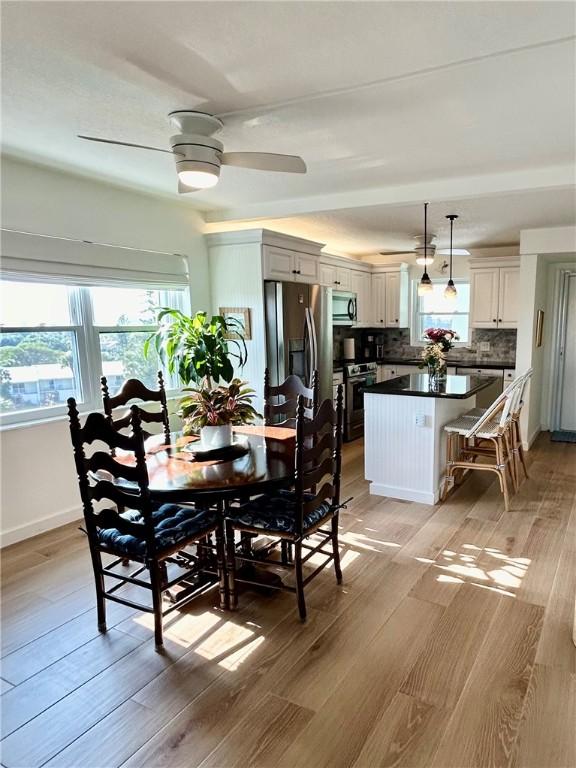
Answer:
[(356, 377), (344, 308)]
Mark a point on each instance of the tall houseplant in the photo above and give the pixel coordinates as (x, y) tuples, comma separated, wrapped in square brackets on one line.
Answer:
[(201, 350)]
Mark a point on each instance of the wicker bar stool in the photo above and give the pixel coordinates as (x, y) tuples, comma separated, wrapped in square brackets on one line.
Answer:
[(467, 439)]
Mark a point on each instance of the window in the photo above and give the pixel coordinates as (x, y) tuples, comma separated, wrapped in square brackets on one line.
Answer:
[(434, 311), (57, 340)]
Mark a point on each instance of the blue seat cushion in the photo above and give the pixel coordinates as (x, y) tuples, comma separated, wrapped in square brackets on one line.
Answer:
[(277, 512), (172, 524)]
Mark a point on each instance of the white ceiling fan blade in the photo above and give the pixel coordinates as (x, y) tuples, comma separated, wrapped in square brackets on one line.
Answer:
[(183, 189), (265, 161), (128, 144)]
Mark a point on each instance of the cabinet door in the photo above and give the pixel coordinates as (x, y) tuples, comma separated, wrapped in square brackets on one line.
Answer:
[(393, 300), (379, 300), (327, 275), (380, 374), (361, 285), (508, 297), (343, 276), (306, 268), (484, 298), (278, 264)]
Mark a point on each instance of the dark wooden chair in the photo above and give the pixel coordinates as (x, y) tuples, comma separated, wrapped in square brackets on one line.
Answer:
[(294, 516), (133, 389), (280, 401), (154, 537)]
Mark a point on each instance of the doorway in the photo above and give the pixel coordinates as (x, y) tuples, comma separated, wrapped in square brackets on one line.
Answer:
[(564, 395)]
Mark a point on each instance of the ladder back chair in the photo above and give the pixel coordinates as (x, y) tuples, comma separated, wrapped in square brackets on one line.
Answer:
[(133, 389), (466, 436), (280, 401), (154, 537), (294, 516)]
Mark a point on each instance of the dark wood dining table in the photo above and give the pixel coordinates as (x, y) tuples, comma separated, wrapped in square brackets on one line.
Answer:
[(175, 475)]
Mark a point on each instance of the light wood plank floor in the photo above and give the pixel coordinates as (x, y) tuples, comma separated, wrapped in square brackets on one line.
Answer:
[(448, 644)]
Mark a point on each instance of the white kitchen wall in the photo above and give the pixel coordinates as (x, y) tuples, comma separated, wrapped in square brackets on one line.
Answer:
[(37, 478), (236, 281)]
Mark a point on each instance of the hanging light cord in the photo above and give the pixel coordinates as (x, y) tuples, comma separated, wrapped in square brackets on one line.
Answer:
[(451, 230), (425, 240)]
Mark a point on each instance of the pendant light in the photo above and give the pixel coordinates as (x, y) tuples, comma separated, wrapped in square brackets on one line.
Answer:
[(450, 292), (425, 284)]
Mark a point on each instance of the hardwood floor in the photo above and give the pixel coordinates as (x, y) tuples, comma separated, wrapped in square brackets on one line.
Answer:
[(447, 645)]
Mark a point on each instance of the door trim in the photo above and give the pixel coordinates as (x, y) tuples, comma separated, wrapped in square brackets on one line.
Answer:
[(559, 344)]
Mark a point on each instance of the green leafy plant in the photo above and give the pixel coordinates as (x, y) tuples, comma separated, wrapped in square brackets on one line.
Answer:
[(199, 349), (217, 407)]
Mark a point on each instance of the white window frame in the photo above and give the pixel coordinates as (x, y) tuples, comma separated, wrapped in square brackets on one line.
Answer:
[(88, 343), (415, 325)]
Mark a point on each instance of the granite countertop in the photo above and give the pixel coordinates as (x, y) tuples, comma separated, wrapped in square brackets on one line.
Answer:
[(497, 364), (418, 385)]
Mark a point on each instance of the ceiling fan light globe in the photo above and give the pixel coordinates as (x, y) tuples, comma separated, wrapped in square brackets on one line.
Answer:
[(198, 179), (425, 261)]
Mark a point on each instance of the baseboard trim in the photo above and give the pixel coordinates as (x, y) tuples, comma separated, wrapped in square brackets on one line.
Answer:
[(527, 444), (404, 494), (40, 525)]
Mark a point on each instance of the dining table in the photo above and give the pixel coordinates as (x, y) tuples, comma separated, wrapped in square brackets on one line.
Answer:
[(261, 460)]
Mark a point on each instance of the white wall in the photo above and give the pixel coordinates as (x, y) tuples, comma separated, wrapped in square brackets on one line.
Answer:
[(38, 483), (232, 286), (540, 249)]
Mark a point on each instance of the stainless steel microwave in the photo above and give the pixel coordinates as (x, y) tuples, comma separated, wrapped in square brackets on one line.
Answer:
[(344, 308)]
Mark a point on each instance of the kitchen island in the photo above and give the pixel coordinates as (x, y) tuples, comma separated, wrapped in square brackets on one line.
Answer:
[(404, 440)]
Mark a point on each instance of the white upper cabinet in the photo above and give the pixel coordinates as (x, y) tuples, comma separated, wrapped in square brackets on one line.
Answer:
[(290, 266), (327, 275), (508, 295), (334, 276), (379, 300), (494, 296), (361, 285), (393, 300), (484, 298), (306, 267), (278, 264)]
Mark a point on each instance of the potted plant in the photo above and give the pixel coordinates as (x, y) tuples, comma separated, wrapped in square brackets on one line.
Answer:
[(201, 351), (439, 342)]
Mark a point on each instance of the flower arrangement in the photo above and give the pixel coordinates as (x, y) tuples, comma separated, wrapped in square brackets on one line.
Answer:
[(440, 341)]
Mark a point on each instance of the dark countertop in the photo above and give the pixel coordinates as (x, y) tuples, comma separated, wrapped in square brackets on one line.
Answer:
[(452, 363), (418, 385)]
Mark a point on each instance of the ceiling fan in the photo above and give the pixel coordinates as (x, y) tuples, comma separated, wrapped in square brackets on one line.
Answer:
[(199, 156), (431, 250)]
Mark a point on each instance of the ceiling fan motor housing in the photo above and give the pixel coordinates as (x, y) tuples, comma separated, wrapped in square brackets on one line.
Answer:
[(194, 152), (194, 147)]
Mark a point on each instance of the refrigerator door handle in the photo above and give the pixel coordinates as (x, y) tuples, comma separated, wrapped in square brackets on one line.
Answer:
[(309, 351), (314, 346)]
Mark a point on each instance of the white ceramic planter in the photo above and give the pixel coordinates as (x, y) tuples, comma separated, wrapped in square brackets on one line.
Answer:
[(216, 437)]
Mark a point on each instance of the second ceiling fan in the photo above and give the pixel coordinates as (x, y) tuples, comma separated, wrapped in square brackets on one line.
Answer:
[(199, 156)]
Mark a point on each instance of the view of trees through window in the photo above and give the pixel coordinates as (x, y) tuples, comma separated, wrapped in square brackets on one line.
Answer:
[(43, 342)]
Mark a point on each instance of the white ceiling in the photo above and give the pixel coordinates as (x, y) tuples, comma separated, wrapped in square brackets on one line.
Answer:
[(377, 97)]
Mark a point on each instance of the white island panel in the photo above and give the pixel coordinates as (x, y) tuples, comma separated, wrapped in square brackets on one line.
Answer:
[(405, 444)]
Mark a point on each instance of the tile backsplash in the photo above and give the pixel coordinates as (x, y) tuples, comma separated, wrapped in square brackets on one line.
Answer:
[(396, 343)]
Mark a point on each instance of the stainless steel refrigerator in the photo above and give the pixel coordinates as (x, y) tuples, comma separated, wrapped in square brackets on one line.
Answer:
[(299, 333)]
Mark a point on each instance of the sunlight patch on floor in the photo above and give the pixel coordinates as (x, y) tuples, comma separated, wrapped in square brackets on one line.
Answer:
[(464, 568), (184, 629)]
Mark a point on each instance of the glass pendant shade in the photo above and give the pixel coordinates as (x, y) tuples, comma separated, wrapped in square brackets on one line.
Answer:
[(425, 285), (450, 291)]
